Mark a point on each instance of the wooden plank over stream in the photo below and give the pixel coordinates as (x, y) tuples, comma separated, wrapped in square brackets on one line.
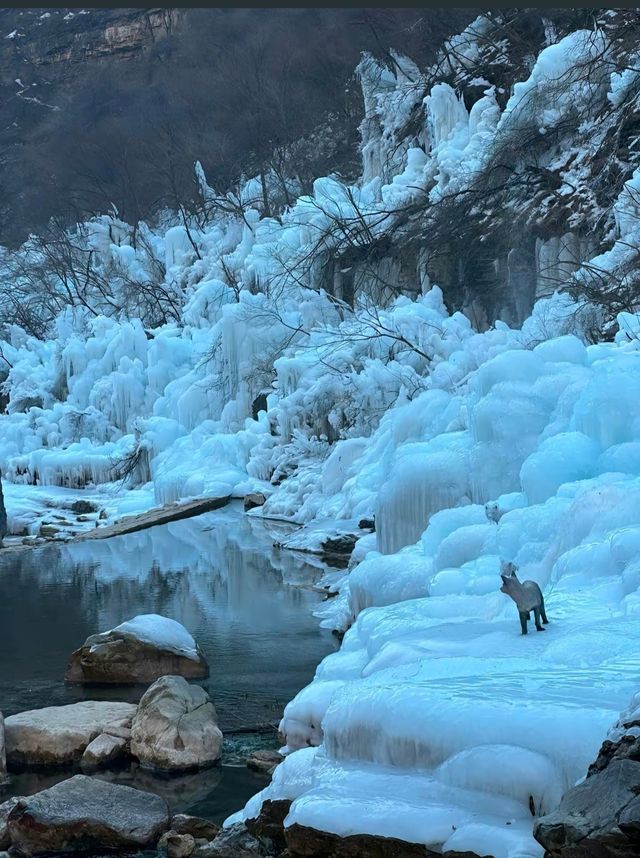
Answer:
[(152, 517)]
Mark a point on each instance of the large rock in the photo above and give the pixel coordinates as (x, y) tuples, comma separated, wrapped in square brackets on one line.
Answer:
[(84, 814), (598, 818), (175, 727), (59, 735), (138, 651)]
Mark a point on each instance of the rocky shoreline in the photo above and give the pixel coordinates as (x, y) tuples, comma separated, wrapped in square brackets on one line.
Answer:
[(173, 730)]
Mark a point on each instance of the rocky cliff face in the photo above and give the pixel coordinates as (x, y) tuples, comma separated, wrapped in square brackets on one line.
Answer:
[(37, 46)]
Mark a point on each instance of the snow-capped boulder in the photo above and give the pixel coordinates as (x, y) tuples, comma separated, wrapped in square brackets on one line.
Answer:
[(175, 727), (104, 750), (59, 735), (139, 650), (88, 815)]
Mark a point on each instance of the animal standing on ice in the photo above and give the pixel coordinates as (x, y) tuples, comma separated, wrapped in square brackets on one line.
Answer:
[(526, 594)]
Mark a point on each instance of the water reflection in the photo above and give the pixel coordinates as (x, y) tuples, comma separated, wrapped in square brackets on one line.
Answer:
[(220, 576), (217, 574)]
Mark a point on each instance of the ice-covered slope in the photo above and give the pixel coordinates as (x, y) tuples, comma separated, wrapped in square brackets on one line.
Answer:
[(437, 722)]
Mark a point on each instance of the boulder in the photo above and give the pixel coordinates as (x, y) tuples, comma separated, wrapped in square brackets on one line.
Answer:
[(176, 845), (254, 499), (104, 750), (599, 817), (175, 727), (264, 761), (5, 809), (199, 828), (232, 842), (84, 814), (59, 735), (138, 651)]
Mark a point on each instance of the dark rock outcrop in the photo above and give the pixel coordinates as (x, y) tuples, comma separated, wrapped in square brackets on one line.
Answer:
[(268, 826), (84, 814), (304, 842), (600, 817)]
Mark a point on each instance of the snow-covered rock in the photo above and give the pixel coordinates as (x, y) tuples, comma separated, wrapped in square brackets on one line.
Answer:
[(138, 651), (59, 735), (175, 727)]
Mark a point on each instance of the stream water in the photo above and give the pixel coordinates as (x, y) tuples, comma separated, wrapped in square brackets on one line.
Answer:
[(248, 604)]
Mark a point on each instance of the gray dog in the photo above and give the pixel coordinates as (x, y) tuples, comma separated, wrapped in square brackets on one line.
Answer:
[(526, 594)]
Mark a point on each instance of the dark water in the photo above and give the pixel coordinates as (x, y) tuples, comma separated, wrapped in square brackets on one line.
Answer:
[(247, 604)]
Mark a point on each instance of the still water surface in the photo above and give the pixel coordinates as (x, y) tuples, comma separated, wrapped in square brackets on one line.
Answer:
[(248, 605)]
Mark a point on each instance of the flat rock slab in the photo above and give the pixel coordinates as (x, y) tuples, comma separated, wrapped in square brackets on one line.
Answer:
[(59, 735), (84, 814), (163, 515)]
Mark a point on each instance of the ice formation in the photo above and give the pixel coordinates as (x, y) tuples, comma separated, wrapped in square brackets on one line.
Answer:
[(435, 722)]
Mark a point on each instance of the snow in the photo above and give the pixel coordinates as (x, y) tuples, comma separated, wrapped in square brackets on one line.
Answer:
[(161, 632)]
